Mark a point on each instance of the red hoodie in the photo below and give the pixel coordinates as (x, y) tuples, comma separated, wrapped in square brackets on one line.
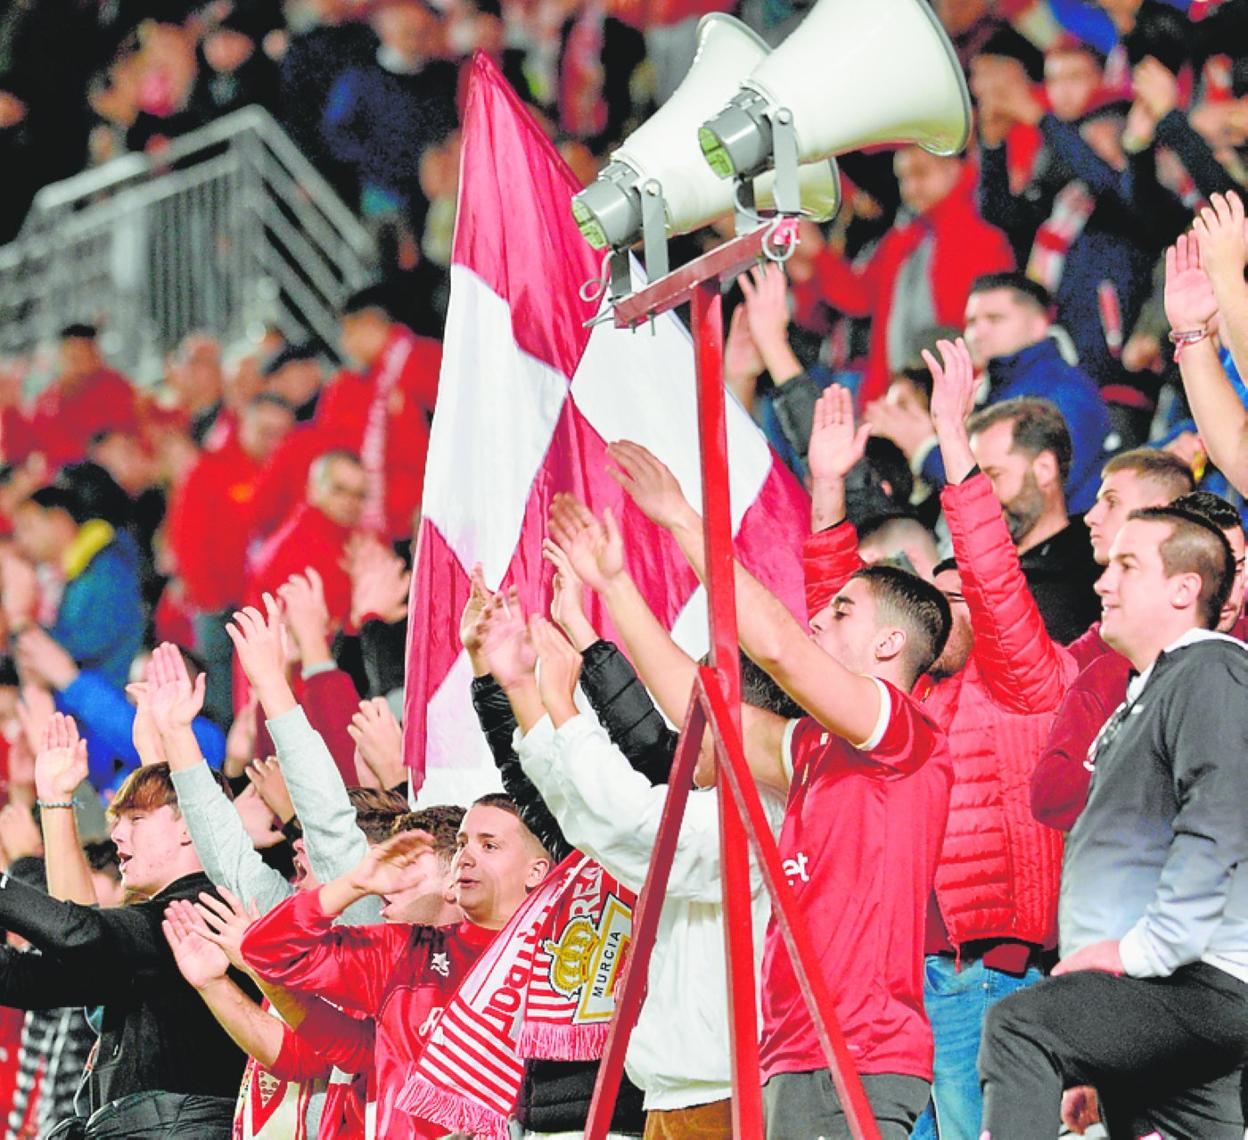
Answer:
[(964, 246)]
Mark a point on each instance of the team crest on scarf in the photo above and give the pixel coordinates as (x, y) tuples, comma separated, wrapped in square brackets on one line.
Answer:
[(584, 963)]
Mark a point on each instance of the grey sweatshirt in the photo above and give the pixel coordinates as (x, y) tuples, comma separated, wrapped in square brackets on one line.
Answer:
[(1159, 857)]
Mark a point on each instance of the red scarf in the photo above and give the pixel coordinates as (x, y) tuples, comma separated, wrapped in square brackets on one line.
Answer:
[(545, 987)]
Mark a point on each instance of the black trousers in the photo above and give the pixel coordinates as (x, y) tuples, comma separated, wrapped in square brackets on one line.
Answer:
[(1164, 1054)]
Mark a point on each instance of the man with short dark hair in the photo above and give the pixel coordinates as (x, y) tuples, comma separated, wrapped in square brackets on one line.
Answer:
[(868, 786), (399, 975), (1023, 446), (162, 1063), (1149, 1003)]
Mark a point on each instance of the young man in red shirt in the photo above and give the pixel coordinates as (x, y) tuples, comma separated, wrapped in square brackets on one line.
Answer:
[(868, 793), (400, 976)]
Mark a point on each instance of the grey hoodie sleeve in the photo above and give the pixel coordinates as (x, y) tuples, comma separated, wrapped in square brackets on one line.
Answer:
[(334, 843), (222, 842)]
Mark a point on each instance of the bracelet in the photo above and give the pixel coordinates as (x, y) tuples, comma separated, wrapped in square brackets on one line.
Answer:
[(1181, 338), (54, 804)]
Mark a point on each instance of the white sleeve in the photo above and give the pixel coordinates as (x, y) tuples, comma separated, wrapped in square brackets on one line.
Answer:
[(612, 813), (881, 721)]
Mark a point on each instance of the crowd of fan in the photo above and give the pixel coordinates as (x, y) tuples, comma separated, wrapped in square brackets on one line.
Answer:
[(204, 590)]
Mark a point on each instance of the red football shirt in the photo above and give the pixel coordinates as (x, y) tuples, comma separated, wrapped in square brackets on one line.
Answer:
[(861, 836)]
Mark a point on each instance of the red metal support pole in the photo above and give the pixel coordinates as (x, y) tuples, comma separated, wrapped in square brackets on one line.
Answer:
[(708, 339)]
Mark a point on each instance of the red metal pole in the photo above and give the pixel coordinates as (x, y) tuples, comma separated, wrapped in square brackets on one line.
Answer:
[(708, 338)]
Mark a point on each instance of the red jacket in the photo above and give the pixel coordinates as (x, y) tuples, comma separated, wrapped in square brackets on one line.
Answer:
[(210, 525), (63, 419), (999, 870), (1059, 785), (964, 247), (400, 976), (308, 537)]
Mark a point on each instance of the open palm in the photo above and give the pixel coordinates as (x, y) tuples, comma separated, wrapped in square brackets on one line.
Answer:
[(1189, 298)]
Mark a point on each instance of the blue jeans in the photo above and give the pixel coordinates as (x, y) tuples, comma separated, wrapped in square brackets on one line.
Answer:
[(957, 1003)]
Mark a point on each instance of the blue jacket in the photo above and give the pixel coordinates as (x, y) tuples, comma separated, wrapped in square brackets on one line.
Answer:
[(100, 621), (1039, 371), (106, 719)]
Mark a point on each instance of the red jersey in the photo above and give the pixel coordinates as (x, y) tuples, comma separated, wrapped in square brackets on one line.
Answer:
[(859, 844), (398, 975), (63, 418), (210, 526), (309, 537)]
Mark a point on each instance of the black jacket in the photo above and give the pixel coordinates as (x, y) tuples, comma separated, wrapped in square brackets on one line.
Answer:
[(157, 1034), (556, 1095), (1061, 573)]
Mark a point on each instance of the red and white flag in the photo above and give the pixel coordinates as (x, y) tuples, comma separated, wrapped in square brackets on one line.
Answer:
[(528, 399)]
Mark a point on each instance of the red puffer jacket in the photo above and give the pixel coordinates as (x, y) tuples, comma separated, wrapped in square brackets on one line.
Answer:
[(999, 869)]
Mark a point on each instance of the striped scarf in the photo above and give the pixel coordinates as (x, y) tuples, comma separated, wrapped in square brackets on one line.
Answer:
[(1072, 207), (373, 447), (545, 987)]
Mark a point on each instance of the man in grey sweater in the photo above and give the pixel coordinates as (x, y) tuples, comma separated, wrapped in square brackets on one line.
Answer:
[(1149, 1003)]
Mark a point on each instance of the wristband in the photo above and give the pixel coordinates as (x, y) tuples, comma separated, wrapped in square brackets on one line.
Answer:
[(42, 804), (1181, 338)]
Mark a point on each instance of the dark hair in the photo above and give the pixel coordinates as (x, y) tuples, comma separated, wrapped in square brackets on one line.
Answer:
[(79, 330), (504, 802), (1161, 467), (442, 821), (291, 354), (1037, 426), (759, 688), (1162, 32), (380, 297), (98, 493), (58, 497), (917, 607), (866, 496), (944, 564), (1025, 290), (918, 376), (376, 811), (1212, 507), (1195, 546)]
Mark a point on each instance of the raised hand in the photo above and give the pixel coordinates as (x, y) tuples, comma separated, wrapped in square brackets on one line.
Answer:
[(1219, 228), (258, 641), (223, 922), (1191, 304), (953, 385), (561, 667), (307, 616), (61, 762), (953, 397), (378, 738), (199, 961), (174, 700), (649, 484), (266, 777), (34, 710), (743, 363), (380, 585), (766, 295), (471, 627), (399, 864), (240, 741), (506, 648), (566, 601), (41, 658), (257, 818), (19, 834), (835, 445), (594, 550), (1155, 86)]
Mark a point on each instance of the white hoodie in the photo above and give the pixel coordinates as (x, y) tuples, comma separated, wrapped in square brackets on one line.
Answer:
[(679, 1051)]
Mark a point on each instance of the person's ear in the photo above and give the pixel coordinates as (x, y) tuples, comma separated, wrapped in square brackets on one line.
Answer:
[(889, 644), (1185, 591), (538, 870), (1046, 470)]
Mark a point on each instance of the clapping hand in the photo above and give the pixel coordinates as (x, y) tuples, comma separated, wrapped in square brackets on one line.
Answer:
[(835, 444), (594, 550), (506, 648), (224, 920), (560, 669), (199, 961), (397, 865), (649, 483), (1220, 230), (266, 777), (378, 738), (566, 601), (1191, 304), (174, 700)]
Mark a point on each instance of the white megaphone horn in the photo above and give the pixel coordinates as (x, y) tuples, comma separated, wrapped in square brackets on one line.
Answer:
[(855, 73), (656, 184)]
